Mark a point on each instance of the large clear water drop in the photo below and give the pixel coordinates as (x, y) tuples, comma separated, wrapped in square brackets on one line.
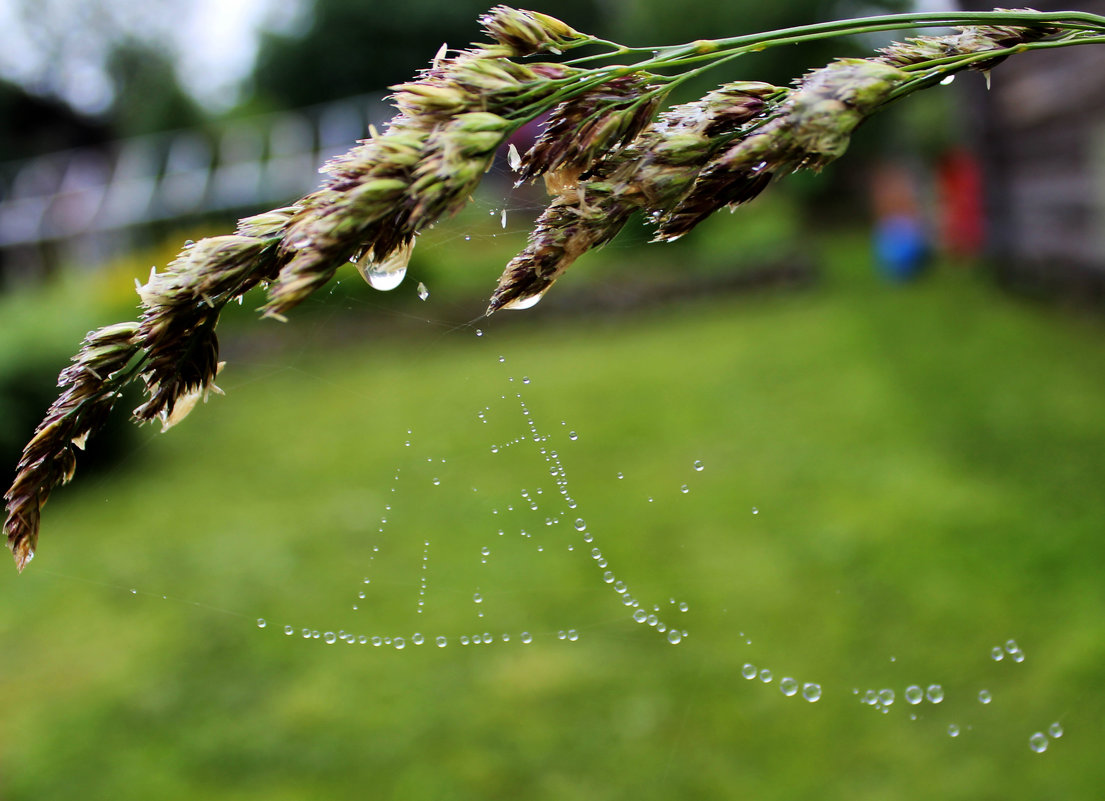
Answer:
[(388, 273)]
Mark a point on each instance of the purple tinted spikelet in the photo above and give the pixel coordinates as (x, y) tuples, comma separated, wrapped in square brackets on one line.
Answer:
[(592, 126), (809, 129), (575, 222), (424, 166), (182, 306), (89, 390), (650, 174), (976, 39), (527, 32)]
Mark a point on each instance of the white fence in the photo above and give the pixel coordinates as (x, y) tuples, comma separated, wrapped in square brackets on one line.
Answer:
[(83, 205)]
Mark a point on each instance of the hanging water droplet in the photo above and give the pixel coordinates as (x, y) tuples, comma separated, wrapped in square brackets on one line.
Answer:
[(1038, 742), (441, 642), (684, 489), (984, 696), (698, 466), (788, 686), (526, 637), (436, 481), (423, 293), (477, 598), (683, 606), (621, 476), (528, 302), (513, 158), (811, 691), (330, 638), (675, 637), (289, 630), (947, 81), (765, 676), (399, 643), (997, 653), (748, 671), (640, 615), (1055, 730), (935, 693), (387, 274), (755, 511), (953, 730), (580, 524), (261, 623), (417, 638), (914, 694), (573, 436)]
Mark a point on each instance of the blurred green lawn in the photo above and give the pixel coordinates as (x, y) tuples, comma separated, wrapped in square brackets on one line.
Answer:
[(924, 463)]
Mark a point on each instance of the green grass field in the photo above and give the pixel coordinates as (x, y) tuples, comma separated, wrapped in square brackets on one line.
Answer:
[(896, 480)]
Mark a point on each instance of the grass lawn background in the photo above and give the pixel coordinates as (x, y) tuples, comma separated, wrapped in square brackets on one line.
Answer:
[(896, 480)]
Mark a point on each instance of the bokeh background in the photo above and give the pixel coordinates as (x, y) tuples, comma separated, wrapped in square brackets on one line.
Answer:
[(891, 374)]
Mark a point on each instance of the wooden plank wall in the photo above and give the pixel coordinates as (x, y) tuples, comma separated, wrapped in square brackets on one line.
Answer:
[(1040, 133)]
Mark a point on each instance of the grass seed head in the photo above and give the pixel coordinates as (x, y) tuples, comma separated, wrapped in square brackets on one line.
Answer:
[(529, 32)]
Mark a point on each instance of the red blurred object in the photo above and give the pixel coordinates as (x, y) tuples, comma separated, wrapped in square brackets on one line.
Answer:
[(961, 217)]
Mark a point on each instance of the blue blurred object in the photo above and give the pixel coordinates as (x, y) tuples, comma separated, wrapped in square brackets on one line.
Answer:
[(901, 247)]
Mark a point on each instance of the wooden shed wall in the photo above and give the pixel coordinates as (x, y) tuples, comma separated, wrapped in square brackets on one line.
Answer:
[(1040, 132)]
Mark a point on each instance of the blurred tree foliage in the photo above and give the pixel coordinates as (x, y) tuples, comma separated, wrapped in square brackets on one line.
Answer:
[(352, 47), (148, 96)]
